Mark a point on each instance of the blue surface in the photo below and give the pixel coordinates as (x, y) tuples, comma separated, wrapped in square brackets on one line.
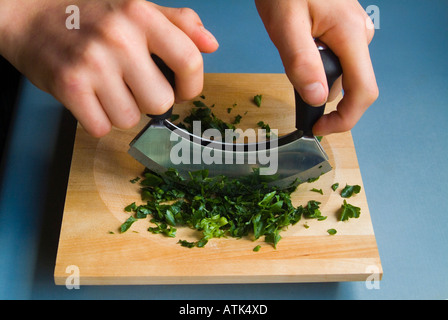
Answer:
[(401, 143)]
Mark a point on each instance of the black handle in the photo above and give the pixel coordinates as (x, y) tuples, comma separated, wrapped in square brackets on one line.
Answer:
[(306, 115), (169, 75)]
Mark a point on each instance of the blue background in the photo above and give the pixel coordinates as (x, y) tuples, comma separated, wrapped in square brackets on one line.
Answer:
[(401, 143)]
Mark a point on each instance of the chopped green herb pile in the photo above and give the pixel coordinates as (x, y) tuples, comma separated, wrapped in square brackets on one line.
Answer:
[(217, 207), (204, 114)]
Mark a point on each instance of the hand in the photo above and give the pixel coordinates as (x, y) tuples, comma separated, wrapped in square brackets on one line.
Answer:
[(103, 72), (342, 26)]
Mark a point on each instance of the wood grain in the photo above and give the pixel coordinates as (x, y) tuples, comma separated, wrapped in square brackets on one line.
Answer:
[(99, 189)]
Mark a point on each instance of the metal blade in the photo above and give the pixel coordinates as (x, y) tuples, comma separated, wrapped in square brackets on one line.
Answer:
[(280, 162)]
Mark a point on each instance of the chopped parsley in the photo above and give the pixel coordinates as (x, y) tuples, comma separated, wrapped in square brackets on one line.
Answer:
[(217, 207), (349, 191), (134, 180), (257, 100), (349, 211), (127, 224)]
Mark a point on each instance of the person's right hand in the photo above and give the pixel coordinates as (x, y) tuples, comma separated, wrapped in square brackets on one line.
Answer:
[(103, 72), (343, 26)]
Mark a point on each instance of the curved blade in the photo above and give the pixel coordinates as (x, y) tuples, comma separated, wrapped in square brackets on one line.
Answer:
[(280, 163)]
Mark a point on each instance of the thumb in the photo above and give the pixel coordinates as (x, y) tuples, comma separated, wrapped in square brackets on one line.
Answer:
[(305, 70), (189, 22)]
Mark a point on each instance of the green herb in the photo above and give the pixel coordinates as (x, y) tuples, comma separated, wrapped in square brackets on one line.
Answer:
[(348, 211), (185, 243), (266, 127), (163, 228), (174, 117), (202, 97), (135, 180), (335, 186), (312, 211), (318, 191), (204, 114), (130, 207), (229, 110), (319, 138), (127, 224), (237, 119), (310, 180), (218, 206), (332, 232), (257, 100), (348, 191), (257, 248), (199, 104)]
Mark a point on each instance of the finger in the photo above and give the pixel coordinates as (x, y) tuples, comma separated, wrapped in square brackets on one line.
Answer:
[(189, 22), (87, 109), (149, 87), (335, 89), (179, 52), (118, 102), (289, 27), (358, 81)]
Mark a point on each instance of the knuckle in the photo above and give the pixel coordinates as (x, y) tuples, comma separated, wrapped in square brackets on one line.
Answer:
[(303, 60), (92, 58), (162, 106), (191, 60), (372, 94), (69, 81), (346, 123), (133, 7), (368, 92), (130, 117), (140, 11), (188, 14), (99, 129), (114, 32), (370, 32)]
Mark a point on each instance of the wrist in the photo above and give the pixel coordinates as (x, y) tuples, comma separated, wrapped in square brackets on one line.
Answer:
[(14, 17)]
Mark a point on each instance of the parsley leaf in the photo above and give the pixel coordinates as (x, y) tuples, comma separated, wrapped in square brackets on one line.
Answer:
[(349, 191), (127, 224), (349, 211), (318, 191), (257, 100)]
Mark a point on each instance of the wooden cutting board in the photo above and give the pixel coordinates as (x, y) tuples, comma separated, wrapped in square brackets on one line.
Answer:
[(91, 246)]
